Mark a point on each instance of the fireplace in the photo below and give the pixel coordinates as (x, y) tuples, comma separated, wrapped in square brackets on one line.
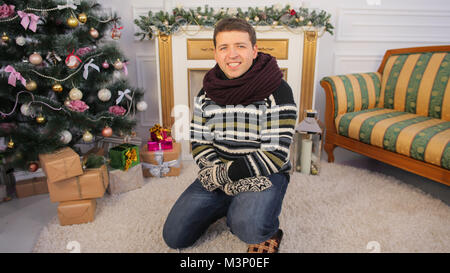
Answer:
[(185, 57)]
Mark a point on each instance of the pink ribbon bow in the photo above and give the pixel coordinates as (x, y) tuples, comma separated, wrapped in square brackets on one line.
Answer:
[(14, 76), (125, 69), (29, 20)]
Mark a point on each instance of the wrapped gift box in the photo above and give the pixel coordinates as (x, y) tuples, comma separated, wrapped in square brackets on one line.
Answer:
[(60, 165), (173, 171), (92, 184), (76, 212), (121, 181), (33, 186), (119, 156), (161, 163)]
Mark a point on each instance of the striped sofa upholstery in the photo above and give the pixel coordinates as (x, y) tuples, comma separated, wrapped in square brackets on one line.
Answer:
[(405, 110), (417, 83)]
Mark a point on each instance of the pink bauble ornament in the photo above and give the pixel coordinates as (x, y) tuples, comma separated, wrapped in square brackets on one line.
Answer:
[(107, 131), (33, 166), (94, 33), (35, 58), (105, 65)]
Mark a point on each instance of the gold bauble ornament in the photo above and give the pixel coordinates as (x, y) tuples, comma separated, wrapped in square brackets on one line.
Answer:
[(11, 144), (75, 94), (118, 64), (31, 85), (40, 119), (93, 32), (5, 38), (72, 22), (82, 17), (87, 137), (57, 87), (35, 58)]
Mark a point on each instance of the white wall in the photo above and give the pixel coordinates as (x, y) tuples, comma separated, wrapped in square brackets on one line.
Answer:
[(364, 30)]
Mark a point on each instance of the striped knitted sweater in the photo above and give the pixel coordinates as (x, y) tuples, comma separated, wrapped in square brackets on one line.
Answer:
[(256, 138)]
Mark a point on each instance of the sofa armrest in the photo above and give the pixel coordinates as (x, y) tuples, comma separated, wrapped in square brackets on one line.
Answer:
[(349, 93)]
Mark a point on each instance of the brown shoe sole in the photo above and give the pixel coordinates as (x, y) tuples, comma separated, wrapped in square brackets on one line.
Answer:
[(270, 246)]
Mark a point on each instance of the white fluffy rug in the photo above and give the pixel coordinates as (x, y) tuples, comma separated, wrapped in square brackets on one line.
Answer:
[(345, 209)]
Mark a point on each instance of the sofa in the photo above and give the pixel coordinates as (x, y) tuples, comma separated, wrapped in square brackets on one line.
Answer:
[(399, 115)]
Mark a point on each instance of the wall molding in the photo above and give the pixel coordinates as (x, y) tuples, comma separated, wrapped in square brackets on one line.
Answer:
[(339, 58), (392, 25), (142, 73)]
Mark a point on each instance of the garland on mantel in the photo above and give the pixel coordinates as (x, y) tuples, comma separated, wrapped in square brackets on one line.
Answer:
[(267, 16)]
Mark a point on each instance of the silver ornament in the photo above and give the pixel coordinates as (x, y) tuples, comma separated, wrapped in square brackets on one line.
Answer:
[(141, 106), (65, 136), (104, 94), (20, 41)]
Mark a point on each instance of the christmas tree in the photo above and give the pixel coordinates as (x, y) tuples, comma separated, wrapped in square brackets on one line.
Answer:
[(62, 78)]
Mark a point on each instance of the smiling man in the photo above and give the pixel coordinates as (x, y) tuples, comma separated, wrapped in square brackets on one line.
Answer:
[(242, 128)]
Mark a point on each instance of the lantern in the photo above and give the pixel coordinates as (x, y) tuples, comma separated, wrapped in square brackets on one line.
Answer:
[(307, 144)]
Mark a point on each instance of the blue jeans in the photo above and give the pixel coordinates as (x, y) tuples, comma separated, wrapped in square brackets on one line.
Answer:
[(251, 216)]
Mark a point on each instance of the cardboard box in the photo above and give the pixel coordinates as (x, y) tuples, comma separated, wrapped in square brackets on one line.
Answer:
[(76, 212), (60, 165), (167, 155), (123, 181), (33, 186), (92, 184)]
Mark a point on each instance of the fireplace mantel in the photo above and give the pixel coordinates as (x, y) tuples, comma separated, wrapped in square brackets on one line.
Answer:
[(185, 56)]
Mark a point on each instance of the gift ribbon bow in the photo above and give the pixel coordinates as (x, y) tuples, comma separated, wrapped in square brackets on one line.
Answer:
[(125, 69), (86, 68), (116, 28), (29, 20), (71, 54), (69, 5), (14, 76), (131, 157), (123, 94), (163, 167), (156, 129)]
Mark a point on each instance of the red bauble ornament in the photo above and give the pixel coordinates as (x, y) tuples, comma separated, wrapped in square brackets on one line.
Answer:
[(33, 166), (107, 131)]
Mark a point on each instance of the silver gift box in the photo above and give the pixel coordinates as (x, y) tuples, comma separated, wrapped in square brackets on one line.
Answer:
[(124, 181)]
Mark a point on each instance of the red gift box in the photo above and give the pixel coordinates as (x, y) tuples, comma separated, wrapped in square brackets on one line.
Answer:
[(165, 144)]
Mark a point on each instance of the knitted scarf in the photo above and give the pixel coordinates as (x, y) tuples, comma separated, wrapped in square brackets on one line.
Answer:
[(261, 80)]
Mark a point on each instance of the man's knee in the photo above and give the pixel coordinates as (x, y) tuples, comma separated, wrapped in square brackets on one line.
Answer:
[(252, 230), (174, 237)]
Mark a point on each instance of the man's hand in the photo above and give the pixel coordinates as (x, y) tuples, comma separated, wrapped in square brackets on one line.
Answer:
[(214, 176), (254, 184)]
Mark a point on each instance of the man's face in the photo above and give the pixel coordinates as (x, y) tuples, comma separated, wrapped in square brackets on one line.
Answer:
[(234, 52)]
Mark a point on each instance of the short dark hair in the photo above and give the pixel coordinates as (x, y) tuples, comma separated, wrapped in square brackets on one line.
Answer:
[(236, 24)]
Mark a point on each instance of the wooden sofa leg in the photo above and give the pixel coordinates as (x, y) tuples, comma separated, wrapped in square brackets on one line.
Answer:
[(329, 148)]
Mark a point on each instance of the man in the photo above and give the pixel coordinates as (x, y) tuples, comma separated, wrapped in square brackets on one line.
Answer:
[(243, 124)]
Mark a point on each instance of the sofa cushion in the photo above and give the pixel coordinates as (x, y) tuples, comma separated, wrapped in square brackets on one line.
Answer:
[(422, 138), (354, 92), (417, 83)]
